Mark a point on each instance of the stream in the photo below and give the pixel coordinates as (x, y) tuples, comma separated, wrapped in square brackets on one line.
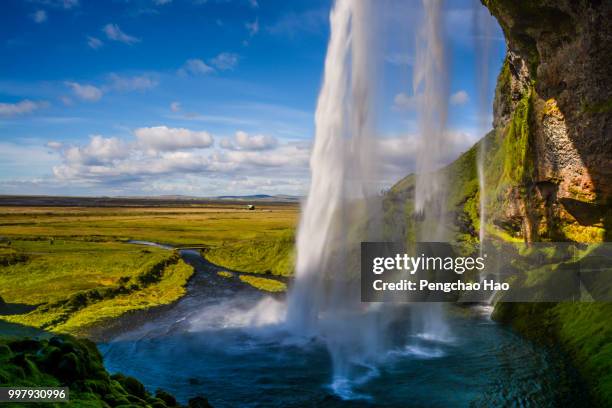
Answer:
[(225, 340)]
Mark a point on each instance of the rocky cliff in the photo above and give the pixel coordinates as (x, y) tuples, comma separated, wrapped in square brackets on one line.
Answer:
[(553, 132), (556, 84)]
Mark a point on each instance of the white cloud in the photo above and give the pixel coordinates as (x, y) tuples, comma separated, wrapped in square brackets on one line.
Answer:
[(99, 151), (54, 145), (398, 154), (225, 61), (20, 108), (66, 100), (24, 159), (85, 92), (162, 138), (114, 33), (244, 141), (252, 28), (135, 83), (161, 155), (459, 98), (162, 2), (253, 3), (290, 156), (403, 101), (195, 66), (94, 43), (39, 16), (175, 106)]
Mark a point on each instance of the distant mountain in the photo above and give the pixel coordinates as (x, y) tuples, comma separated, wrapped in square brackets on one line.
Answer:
[(260, 197), (165, 200)]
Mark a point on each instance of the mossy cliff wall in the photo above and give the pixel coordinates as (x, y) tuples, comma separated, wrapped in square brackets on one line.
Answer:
[(555, 94), (553, 127)]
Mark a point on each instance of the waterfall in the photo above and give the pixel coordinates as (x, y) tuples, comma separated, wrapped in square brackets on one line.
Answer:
[(430, 87), (342, 208), (481, 31)]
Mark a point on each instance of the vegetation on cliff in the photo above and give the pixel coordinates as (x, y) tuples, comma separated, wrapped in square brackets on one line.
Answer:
[(558, 177), (544, 179)]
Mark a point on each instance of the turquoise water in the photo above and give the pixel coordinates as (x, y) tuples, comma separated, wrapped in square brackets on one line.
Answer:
[(224, 341)]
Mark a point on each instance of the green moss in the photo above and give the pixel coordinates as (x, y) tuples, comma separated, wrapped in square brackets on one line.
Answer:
[(77, 364), (583, 233), (503, 86), (583, 330), (463, 176), (518, 166)]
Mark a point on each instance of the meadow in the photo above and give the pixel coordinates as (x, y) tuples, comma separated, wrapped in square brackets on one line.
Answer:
[(65, 269)]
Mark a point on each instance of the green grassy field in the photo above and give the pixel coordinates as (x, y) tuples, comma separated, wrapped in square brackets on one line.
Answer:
[(74, 268), (270, 254), (205, 225)]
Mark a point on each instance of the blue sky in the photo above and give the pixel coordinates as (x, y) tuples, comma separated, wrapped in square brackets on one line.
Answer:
[(151, 97)]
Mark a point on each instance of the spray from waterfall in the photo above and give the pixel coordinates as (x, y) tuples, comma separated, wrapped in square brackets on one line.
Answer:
[(430, 87), (342, 208), (481, 32)]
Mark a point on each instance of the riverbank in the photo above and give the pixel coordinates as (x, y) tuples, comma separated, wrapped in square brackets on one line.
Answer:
[(71, 285), (72, 268)]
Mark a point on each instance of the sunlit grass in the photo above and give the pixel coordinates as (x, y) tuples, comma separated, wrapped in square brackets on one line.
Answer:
[(265, 284), (265, 254), (75, 265), (176, 226), (225, 274)]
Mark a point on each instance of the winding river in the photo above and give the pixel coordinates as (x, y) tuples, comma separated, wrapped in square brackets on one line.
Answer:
[(225, 340)]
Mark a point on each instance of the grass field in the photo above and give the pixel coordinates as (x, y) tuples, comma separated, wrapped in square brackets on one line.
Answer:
[(74, 266), (206, 225)]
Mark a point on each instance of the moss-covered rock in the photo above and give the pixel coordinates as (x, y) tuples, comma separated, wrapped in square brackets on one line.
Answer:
[(77, 364), (582, 330), (558, 185), (570, 122)]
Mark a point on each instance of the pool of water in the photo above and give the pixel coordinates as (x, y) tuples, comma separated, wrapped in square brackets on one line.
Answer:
[(227, 342)]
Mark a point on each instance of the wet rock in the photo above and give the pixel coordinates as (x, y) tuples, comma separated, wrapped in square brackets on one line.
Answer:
[(168, 399), (199, 402)]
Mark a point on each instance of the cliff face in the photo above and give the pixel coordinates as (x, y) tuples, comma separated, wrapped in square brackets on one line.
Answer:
[(553, 124), (558, 64)]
